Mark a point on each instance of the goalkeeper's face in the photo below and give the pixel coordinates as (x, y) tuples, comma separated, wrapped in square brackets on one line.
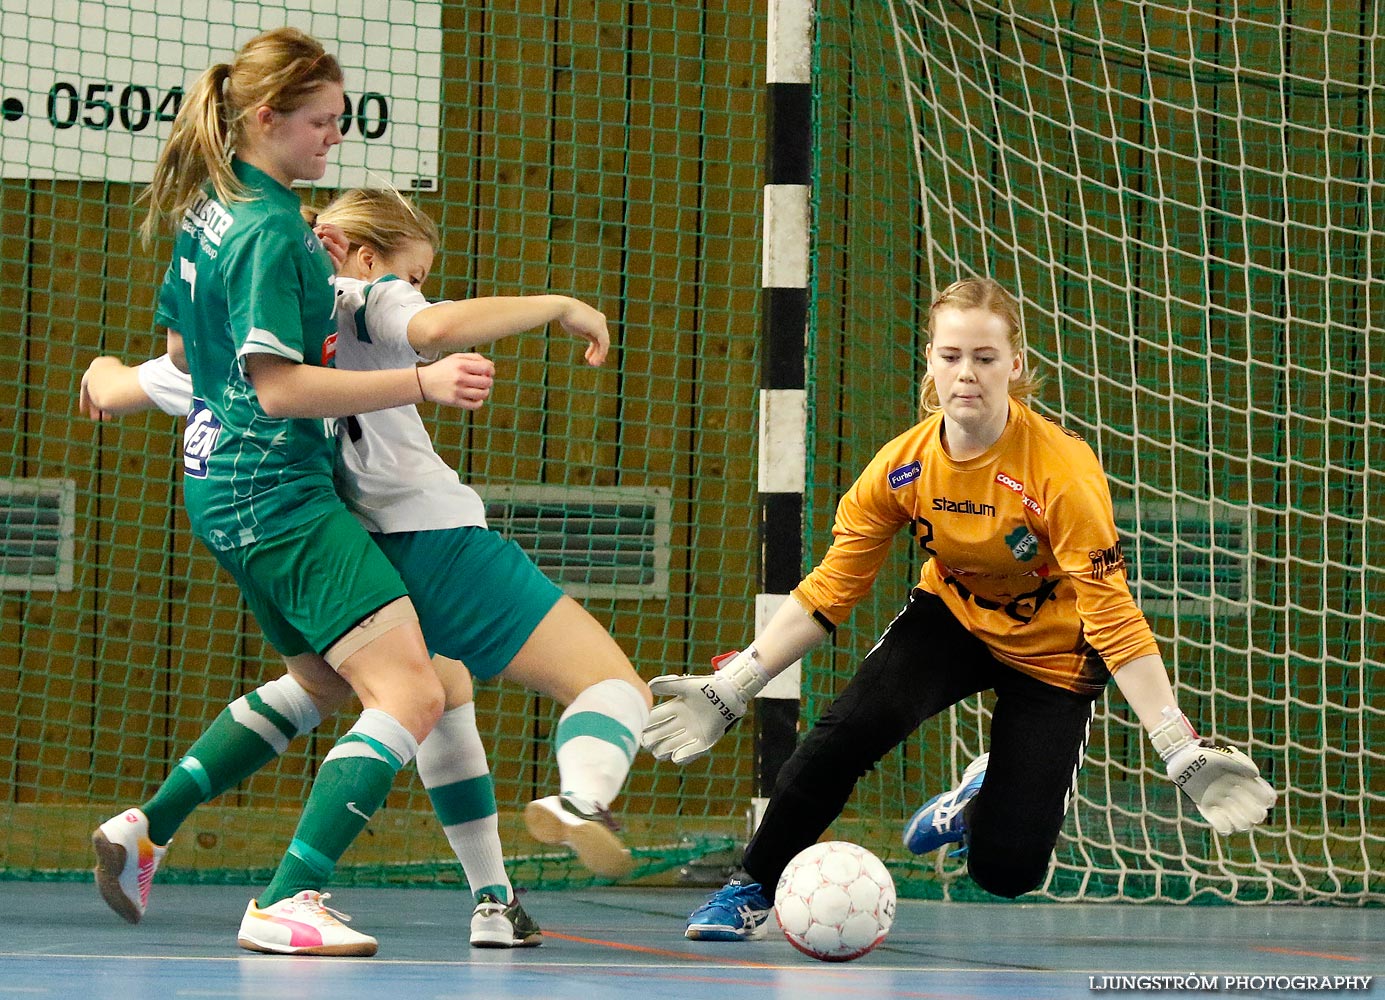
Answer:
[(973, 364)]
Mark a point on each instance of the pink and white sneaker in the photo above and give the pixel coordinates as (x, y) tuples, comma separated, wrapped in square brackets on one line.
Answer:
[(301, 925), (126, 860)]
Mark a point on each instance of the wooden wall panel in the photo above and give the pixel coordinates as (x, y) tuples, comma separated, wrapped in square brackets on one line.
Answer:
[(53, 748)]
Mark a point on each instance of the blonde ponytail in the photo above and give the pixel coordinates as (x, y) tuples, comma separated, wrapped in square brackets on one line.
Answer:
[(278, 69)]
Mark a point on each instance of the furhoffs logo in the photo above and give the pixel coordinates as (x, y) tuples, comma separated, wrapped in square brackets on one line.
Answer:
[(904, 475)]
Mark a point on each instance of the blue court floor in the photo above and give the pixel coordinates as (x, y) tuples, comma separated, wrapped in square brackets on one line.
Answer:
[(60, 941)]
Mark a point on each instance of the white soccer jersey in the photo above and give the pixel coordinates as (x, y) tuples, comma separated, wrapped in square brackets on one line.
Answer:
[(387, 472), (390, 476)]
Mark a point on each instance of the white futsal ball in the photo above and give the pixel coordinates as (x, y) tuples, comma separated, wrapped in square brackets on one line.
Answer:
[(835, 901)]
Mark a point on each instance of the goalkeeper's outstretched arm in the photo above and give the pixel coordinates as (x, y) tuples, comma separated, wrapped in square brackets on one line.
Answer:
[(1222, 782), (702, 707)]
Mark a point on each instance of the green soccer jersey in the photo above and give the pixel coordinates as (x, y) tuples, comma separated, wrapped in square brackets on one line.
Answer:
[(250, 278)]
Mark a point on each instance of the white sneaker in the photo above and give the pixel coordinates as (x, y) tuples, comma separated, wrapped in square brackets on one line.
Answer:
[(496, 925), (557, 820), (301, 925), (126, 860)]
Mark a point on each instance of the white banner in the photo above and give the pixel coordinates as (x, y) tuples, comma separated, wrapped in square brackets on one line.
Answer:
[(88, 90)]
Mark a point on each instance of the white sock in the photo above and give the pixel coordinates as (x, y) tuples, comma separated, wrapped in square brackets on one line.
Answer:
[(452, 763), (596, 741)]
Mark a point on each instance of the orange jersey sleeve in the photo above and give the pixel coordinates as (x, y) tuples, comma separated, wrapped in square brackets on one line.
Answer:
[(1021, 545)]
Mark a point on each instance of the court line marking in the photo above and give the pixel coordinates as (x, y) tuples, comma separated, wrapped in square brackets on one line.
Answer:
[(1309, 954), (850, 969), (662, 952)]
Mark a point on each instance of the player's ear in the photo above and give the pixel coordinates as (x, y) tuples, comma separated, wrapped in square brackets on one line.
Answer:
[(1017, 369)]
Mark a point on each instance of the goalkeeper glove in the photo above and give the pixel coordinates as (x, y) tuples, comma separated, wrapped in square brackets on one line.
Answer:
[(1223, 783), (701, 708)]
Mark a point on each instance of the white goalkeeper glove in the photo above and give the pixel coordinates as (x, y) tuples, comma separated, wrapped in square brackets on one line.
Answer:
[(1223, 783), (701, 707)]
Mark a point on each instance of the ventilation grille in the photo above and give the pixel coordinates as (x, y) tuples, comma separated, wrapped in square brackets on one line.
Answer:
[(1187, 560), (36, 532), (608, 542)]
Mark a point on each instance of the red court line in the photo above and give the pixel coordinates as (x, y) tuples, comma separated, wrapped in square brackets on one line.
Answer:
[(1311, 954), (661, 952)]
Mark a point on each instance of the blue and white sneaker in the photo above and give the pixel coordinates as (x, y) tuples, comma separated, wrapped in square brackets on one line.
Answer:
[(736, 912), (940, 821)]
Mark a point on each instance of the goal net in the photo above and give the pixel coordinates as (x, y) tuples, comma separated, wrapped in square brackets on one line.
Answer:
[(1187, 201)]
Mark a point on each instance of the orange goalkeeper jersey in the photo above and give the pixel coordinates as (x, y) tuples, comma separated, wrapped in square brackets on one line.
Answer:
[(1021, 541)]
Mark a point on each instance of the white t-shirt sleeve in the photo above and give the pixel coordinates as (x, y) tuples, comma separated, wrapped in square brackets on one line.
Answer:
[(389, 305), (169, 388)]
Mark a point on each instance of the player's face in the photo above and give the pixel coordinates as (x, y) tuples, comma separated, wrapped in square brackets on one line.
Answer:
[(411, 262), (293, 145), (972, 367)]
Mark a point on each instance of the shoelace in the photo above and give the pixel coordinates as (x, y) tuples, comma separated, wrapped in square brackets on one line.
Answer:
[(946, 810), (597, 815), (740, 896), (319, 905)]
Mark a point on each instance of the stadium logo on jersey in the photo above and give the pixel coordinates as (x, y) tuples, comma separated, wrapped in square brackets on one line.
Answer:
[(1015, 486), (904, 475), (199, 438), (963, 507), (1023, 545), (1107, 561), (210, 218), (329, 350)]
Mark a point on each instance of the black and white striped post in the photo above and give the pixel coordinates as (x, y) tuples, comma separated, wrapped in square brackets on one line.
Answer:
[(783, 399)]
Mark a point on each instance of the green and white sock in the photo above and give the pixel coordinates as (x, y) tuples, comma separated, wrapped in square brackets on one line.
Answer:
[(247, 735), (595, 741), (352, 783), (452, 763)]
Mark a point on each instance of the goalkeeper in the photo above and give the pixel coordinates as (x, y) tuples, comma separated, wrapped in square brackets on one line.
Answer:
[(1022, 592)]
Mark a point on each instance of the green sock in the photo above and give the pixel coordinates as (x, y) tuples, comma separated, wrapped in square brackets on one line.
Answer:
[(247, 735), (351, 784)]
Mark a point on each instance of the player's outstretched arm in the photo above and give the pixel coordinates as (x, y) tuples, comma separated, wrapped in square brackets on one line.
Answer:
[(470, 323), (288, 389), (1222, 782), (111, 388), (702, 707)]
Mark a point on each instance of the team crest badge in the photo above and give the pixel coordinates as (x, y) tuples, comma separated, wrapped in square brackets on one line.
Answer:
[(1023, 545)]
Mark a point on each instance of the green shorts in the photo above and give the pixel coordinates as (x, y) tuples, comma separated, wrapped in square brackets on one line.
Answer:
[(311, 585), (478, 596)]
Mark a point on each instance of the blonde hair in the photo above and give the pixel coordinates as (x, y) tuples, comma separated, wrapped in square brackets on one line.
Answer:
[(279, 69), (990, 295), (380, 218)]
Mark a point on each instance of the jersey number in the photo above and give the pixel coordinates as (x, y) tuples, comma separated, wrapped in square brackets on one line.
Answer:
[(187, 270), (923, 534)]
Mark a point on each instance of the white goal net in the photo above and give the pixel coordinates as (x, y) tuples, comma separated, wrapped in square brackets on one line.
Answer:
[(1188, 201)]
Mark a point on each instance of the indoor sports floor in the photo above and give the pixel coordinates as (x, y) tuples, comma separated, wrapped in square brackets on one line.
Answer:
[(58, 940)]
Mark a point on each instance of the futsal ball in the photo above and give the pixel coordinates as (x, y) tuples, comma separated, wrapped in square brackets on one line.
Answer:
[(835, 901)]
